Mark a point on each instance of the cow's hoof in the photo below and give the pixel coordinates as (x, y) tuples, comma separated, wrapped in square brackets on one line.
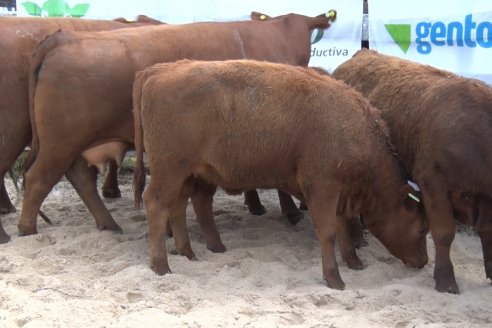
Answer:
[(160, 269), (488, 270), (113, 227), (294, 218), (451, 288), (335, 284), (188, 253), (27, 231), (258, 210), (111, 193), (217, 248), (4, 238), (355, 264)]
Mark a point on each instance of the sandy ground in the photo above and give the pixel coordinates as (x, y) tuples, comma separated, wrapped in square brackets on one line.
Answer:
[(72, 275)]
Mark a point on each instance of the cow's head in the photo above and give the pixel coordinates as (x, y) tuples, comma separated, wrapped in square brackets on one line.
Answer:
[(402, 227)]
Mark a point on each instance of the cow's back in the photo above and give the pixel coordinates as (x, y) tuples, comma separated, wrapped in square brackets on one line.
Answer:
[(110, 60), (434, 115), (19, 38), (277, 117), (20, 35)]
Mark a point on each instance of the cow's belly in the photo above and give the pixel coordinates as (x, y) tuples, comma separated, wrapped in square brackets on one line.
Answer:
[(100, 154)]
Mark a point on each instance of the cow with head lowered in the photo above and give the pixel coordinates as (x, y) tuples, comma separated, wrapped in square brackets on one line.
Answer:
[(441, 125), (81, 92), (244, 124), (19, 38)]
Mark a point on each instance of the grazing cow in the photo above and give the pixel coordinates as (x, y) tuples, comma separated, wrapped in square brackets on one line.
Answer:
[(81, 92), (18, 39), (440, 124), (245, 124)]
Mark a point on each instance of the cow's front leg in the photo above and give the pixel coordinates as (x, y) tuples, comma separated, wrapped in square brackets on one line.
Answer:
[(289, 208), (486, 240), (252, 200), (6, 205), (347, 241), (322, 208), (443, 228), (4, 238)]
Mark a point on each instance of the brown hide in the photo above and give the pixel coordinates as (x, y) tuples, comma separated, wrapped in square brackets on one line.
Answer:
[(19, 37), (441, 126), (248, 124), (82, 83)]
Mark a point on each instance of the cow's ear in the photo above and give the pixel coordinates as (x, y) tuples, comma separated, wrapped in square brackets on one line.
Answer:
[(259, 16)]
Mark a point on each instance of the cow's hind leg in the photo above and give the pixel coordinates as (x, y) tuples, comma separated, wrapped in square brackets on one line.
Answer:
[(39, 179), (84, 179), (252, 200), (322, 208), (289, 208), (202, 199), (160, 198), (486, 239), (177, 222), (16, 135), (9, 156), (158, 222), (110, 187)]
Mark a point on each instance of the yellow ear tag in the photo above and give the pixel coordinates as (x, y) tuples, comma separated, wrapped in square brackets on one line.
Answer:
[(262, 17), (331, 14)]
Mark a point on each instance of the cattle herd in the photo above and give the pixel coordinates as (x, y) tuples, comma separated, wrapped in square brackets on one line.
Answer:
[(233, 105)]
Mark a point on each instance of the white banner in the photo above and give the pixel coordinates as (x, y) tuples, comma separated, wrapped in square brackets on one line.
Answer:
[(453, 35), (329, 49)]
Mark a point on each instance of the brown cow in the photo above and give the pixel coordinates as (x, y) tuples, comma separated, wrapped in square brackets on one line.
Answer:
[(18, 38), (440, 124), (245, 124), (82, 82)]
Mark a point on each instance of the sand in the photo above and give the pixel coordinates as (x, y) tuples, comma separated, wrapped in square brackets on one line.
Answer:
[(72, 275)]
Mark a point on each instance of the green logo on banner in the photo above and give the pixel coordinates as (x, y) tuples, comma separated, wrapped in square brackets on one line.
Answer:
[(56, 8), (401, 34)]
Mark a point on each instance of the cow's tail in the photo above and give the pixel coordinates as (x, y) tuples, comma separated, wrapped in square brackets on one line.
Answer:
[(51, 41), (139, 173)]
